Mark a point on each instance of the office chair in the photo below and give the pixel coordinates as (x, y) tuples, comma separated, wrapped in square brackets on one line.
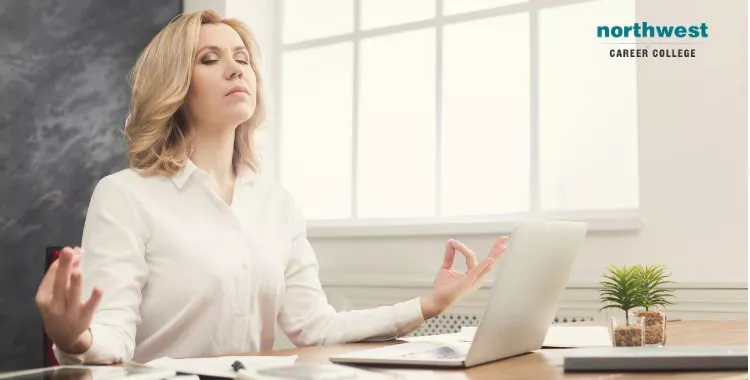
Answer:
[(48, 356)]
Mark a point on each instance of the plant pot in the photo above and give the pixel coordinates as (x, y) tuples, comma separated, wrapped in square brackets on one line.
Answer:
[(655, 323), (627, 332)]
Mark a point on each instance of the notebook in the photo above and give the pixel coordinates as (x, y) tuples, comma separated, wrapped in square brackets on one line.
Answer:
[(221, 366), (668, 358)]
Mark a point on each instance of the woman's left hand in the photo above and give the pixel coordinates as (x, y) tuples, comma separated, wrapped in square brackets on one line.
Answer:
[(450, 285)]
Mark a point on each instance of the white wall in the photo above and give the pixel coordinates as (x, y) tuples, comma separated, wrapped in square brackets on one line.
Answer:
[(693, 138)]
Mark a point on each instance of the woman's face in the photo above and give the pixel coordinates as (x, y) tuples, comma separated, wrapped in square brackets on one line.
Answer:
[(222, 92)]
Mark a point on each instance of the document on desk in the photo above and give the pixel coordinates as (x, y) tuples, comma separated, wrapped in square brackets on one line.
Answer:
[(221, 366), (577, 337)]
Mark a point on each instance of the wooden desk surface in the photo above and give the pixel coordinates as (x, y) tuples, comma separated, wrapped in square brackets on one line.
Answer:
[(547, 363)]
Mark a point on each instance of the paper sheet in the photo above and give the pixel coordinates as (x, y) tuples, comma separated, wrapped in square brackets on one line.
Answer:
[(221, 366), (577, 337)]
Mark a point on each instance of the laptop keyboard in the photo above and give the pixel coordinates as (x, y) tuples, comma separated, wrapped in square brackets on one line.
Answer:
[(456, 351), (443, 352)]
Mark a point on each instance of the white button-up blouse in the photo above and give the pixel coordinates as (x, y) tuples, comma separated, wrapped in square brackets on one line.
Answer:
[(184, 274)]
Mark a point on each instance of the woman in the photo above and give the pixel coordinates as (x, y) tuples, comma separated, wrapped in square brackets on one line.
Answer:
[(190, 252)]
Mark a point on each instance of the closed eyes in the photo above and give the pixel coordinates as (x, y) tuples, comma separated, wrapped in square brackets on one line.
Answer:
[(212, 61)]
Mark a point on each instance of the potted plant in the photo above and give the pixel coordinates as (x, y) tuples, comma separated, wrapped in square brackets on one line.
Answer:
[(622, 290), (653, 279)]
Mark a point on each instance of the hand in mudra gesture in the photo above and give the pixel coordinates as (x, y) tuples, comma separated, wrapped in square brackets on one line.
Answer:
[(451, 285), (66, 317)]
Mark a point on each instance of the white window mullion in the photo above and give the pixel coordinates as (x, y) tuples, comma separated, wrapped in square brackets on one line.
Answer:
[(534, 197), (438, 109), (355, 108)]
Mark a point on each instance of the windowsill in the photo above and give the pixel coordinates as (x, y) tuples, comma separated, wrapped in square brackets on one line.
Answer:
[(613, 220), (378, 280)]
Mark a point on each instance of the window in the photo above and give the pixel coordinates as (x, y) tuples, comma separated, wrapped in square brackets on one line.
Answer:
[(437, 112)]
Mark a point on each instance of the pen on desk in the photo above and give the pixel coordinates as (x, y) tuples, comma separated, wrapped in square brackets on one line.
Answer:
[(237, 366), (243, 373)]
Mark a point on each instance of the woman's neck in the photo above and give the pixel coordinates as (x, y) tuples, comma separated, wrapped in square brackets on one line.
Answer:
[(213, 153)]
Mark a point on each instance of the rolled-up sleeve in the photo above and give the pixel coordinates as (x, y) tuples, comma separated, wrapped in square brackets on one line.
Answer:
[(114, 239), (308, 319)]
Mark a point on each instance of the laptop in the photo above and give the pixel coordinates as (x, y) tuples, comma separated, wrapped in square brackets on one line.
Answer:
[(529, 282)]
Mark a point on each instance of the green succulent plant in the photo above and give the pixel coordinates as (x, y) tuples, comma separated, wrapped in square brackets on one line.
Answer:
[(653, 280), (621, 289), (627, 287)]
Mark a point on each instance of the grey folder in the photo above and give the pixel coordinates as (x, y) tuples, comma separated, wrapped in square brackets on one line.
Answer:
[(669, 358)]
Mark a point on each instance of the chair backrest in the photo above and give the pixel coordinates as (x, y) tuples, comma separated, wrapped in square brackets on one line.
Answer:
[(48, 356)]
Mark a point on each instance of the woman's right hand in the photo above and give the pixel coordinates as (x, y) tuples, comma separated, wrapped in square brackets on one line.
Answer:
[(66, 318)]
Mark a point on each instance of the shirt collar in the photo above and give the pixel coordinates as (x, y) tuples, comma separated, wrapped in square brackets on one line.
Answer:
[(245, 174), (182, 176)]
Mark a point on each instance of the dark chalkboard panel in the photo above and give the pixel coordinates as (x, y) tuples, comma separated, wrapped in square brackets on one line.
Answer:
[(63, 101)]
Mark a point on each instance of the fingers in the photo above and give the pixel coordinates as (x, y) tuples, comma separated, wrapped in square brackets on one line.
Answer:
[(89, 307), (499, 247), (55, 285), (476, 276), (78, 255), (63, 274), (471, 258), (489, 262), (47, 285), (486, 268), (74, 292), (450, 255)]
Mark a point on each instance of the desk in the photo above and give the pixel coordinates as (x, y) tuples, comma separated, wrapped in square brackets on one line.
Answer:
[(547, 363)]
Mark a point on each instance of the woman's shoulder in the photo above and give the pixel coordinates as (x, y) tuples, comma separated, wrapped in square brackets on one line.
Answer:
[(269, 186), (130, 175), (272, 188), (129, 180)]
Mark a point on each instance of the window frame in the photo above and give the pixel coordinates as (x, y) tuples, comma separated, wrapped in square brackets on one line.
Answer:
[(598, 220)]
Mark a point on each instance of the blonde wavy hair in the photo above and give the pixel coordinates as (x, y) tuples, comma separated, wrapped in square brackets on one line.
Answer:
[(156, 129)]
